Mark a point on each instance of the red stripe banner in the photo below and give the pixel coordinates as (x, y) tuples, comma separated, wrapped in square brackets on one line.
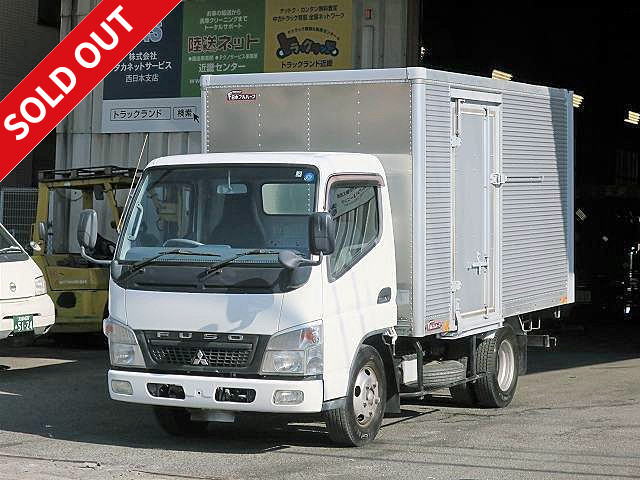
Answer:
[(69, 73)]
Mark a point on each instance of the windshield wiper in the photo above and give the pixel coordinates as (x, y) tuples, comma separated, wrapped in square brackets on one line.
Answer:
[(10, 248), (143, 263), (217, 266)]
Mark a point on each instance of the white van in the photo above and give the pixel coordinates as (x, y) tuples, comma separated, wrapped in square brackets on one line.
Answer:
[(25, 308)]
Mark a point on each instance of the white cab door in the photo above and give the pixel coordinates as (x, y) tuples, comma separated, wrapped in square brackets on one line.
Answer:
[(361, 281)]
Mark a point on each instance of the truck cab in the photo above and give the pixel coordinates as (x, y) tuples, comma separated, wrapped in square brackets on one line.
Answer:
[(225, 297)]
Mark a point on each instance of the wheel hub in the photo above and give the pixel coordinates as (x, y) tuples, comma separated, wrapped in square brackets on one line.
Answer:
[(506, 366), (366, 395)]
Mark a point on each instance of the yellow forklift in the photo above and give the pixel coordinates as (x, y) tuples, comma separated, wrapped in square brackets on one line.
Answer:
[(78, 287)]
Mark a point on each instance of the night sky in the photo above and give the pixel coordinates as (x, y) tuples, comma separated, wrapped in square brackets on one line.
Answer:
[(594, 52)]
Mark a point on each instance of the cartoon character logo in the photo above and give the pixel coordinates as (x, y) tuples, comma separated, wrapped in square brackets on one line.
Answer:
[(291, 46)]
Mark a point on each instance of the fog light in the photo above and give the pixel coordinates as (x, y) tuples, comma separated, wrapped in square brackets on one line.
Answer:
[(288, 397), (121, 387)]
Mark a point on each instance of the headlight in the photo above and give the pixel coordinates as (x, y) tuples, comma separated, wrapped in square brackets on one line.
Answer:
[(41, 286), (124, 350), (295, 352)]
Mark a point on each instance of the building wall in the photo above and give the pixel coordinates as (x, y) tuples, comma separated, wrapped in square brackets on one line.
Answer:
[(379, 41), (23, 44)]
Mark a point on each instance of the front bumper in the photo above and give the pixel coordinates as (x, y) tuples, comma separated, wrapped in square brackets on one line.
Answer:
[(41, 307), (200, 392)]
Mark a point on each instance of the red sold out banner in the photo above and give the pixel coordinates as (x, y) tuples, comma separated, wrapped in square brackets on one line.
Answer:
[(69, 73)]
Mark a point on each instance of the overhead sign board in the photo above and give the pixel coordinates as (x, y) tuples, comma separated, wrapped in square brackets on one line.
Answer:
[(308, 35), (156, 88)]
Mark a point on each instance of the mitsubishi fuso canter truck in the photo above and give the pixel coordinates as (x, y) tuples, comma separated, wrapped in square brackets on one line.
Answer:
[(349, 239)]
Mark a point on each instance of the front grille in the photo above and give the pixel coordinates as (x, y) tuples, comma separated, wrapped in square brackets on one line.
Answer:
[(210, 357), (205, 352)]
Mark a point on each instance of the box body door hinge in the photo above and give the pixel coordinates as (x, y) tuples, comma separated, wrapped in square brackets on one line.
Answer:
[(498, 179)]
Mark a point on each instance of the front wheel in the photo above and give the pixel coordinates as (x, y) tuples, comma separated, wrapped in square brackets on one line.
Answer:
[(177, 422), (358, 421), (498, 358)]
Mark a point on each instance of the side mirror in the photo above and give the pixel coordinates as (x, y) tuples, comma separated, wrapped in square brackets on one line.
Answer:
[(88, 229), (42, 230), (88, 235), (35, 246), (322, 241), (322, 233)]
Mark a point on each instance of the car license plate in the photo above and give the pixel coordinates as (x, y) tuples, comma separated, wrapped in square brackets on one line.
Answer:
[(23, 323)]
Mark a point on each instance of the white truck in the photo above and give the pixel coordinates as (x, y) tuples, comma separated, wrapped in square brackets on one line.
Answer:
[(349, 239), (26, 311)]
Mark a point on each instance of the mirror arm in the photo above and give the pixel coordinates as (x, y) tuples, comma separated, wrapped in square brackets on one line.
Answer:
[(86, 256), (312, 263)]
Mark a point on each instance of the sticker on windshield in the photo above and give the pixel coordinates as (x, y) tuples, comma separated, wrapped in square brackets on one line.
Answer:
[(309, 177)]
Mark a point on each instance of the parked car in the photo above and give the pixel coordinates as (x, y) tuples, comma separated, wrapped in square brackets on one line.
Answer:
[(26, 311)]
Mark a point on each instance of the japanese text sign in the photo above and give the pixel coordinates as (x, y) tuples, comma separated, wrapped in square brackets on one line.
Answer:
[(71, 71)]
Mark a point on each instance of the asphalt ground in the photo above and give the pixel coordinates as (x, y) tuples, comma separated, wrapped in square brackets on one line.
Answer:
[(576, 415)]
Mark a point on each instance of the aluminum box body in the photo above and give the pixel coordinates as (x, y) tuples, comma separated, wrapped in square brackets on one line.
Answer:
[(407, 118)]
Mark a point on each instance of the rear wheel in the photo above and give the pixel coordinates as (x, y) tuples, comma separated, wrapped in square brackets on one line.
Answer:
[(498, 358), (464, 395), (177, 422), (358, 421)]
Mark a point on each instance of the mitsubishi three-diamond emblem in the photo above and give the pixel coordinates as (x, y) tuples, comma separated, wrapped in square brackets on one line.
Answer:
[(200, 359)]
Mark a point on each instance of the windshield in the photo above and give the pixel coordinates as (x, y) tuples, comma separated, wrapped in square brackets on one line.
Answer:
[(7, 242), (220, 209)]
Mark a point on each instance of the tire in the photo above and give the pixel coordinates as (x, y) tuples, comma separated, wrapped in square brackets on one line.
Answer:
[(498, 357), (354, 425), (442, 374), (464, 395), (177, 422)]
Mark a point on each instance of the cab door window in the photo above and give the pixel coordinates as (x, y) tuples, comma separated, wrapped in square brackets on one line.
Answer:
[(355, 209)]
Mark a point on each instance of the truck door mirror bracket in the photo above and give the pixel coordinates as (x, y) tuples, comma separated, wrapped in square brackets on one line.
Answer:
[(292, 260)]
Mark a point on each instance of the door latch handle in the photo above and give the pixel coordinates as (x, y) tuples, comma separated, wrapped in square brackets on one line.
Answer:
[(481, 266), (385, 295)]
